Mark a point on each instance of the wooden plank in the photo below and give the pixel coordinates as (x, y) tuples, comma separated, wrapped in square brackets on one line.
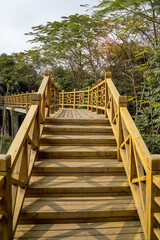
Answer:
[(78, 226), (77, 139), (82, 232), (43, 85), (156, 180), (80, 165), (134, 236), (157, 200), (79, 179), (80, 148), (2, 181), (157, 232), (157, 216)]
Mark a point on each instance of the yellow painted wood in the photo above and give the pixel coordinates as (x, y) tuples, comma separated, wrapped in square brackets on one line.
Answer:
[(65, 140)]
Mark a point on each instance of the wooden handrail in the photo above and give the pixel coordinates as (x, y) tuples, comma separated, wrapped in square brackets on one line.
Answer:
[(140, 165), (16, 166)]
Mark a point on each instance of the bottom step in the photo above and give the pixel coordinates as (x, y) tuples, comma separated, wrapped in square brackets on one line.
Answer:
[(130, 230)]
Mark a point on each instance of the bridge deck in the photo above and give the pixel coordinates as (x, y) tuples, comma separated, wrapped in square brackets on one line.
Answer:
[(76, 114)]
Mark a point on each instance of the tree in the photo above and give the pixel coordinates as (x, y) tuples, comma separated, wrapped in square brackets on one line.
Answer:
[(74, 43), (136, 35), (17, 74)]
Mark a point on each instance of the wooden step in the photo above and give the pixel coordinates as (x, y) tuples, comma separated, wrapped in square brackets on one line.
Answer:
[(77, 140), (74, 129), (50, 166), (80, 209), (72, 121), (78, 152), (130, 230), (156, 180), (42, 185)]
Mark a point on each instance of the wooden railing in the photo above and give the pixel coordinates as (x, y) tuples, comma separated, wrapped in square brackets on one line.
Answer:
[(24, 100), (17, 164), (75, 99), (142, 168)]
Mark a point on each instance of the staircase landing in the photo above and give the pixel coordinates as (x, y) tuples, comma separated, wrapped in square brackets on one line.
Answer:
[(76, 114), (78, 189)]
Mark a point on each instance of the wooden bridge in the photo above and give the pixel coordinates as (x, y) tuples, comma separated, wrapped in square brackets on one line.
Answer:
[(81, 173)]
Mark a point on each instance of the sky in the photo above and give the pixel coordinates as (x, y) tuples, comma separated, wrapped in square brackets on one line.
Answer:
[(18, 16)]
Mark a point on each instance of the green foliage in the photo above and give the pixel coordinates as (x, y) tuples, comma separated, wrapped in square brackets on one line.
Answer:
[(7, 140), (75, 44), (8, 82), (134, 57), (63, 78), (17, 74)]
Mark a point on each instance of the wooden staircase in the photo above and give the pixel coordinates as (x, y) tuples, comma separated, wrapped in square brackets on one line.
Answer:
[(78, 189)]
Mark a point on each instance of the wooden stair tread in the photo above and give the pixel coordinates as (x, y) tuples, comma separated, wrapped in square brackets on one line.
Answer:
[(78, 129), (50, 205), (95, 137), (134, 236), (77, 226), (65, 127), (74, 185), (78, 179), (77, 151), (78, 139), (102, 164), (52, 120), (119, 199), (78, 148), (81, 231)]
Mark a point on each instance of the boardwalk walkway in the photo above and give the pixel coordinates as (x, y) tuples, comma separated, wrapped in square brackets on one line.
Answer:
[(78, 189)]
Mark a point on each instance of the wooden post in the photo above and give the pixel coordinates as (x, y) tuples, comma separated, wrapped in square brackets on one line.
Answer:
[(74, 104), (7, 229), (122, 102), (12, 125), (47, 73), (62, 98), (35, 98), (56, 97), (107, 76), (52, 106), (92, 108), (106, 99), (88, 108), (152, 191), (99, 111)]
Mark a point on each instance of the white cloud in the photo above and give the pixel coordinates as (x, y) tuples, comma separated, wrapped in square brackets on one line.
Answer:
[(18, 16)]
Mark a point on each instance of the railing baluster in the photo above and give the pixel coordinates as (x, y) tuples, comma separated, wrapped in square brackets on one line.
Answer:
[(74, 104), (62, 98), (122, 102)]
